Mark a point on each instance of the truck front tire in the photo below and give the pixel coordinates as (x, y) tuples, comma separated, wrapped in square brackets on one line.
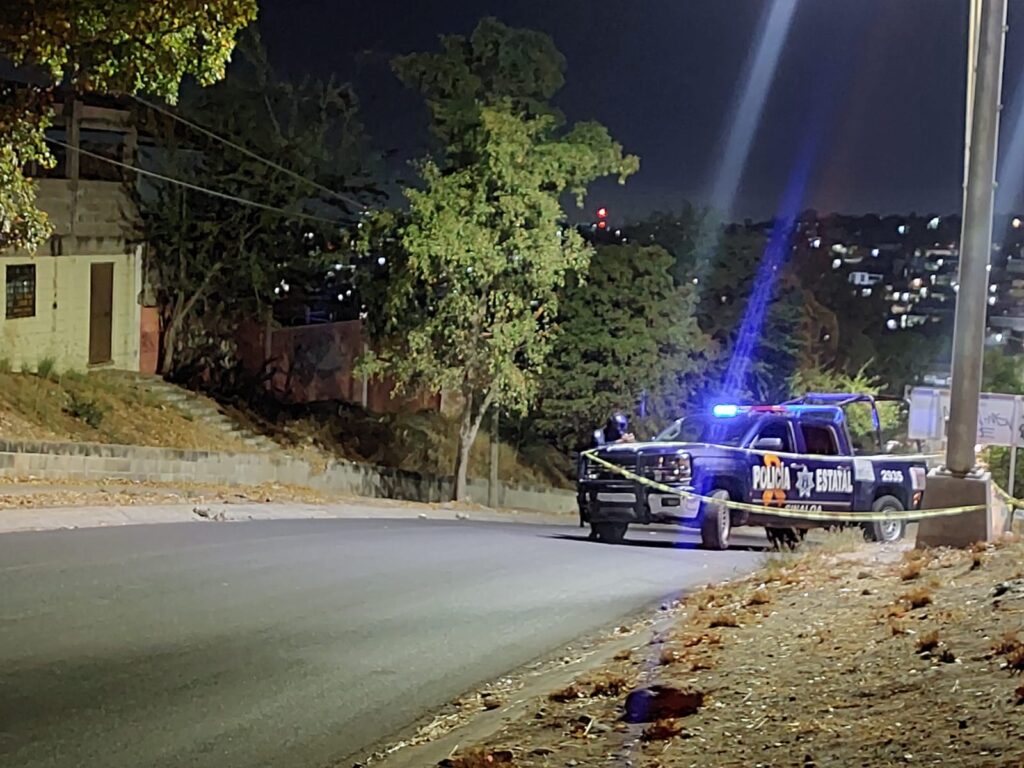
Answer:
[(715, 521), (609, 533), (885, 530)]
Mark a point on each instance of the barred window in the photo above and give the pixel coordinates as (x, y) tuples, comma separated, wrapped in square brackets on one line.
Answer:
[(21, 290)]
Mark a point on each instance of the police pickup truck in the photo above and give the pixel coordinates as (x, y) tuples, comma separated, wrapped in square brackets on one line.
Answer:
[(799, 456)]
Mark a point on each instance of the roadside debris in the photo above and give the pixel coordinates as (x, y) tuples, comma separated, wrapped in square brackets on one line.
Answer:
[(826, 658)]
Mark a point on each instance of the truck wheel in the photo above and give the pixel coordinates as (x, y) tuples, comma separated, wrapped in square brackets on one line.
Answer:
[(715, 521), (609, 533), (885, 530)]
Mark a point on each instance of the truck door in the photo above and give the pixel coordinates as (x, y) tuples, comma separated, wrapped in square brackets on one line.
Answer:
[(770, 478), (820, 484)]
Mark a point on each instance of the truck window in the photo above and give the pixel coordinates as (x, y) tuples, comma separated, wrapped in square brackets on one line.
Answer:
[(819, 440), (777, 429)]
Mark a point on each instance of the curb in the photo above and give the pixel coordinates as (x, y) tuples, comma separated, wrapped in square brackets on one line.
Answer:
[(28, 519)]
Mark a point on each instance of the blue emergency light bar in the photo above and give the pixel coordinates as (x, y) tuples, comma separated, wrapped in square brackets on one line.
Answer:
[(725, 411)]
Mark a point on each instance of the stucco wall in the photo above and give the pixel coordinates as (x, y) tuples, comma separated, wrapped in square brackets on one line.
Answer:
[(60, 327)]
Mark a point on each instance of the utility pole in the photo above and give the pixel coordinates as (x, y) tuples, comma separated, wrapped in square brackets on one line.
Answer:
[(959, 482), (985, 75)]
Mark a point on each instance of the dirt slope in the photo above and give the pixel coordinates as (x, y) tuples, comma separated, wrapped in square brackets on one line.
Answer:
[(876, 657)]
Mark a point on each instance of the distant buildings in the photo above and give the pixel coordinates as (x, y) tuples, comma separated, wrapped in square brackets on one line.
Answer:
[(914, 261)]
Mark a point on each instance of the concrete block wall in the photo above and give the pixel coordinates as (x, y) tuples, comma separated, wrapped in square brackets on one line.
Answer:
[(98, 461), (101, 209)]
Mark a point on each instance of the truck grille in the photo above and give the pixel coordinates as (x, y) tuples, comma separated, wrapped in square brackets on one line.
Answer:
[(596, 471)]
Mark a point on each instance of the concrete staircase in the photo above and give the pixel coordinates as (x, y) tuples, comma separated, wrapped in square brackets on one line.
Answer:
[(202, 409)]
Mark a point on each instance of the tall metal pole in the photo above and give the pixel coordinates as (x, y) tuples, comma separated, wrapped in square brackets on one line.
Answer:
[(976, 237)]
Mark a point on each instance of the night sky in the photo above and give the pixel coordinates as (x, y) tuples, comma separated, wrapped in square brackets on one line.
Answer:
[(865, 113)]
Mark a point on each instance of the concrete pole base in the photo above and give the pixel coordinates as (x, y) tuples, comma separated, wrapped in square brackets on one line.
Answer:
[(943, 491)]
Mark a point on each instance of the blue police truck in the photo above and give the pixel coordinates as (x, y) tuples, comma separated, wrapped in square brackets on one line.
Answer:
[(799, 456)]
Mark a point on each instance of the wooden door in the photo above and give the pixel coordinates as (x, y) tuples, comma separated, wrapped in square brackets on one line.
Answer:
[(101, 313)]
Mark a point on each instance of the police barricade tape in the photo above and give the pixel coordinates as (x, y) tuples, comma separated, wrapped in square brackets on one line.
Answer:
[(1012, 501), (816, 516)]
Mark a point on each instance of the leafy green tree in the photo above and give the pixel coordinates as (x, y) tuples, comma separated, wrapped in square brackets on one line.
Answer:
[(129, 46), (722, 264), (482, 251), (215, 261), (626, 330)]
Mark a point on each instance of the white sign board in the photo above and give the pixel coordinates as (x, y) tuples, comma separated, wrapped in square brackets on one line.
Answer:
[(999, 417)]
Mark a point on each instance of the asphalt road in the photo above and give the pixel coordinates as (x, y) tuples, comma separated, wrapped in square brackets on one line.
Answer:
[(292, 643)]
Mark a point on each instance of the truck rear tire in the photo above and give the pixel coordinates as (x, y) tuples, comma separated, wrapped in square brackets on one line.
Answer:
[(885, 530), (715, 521), (609, 533)]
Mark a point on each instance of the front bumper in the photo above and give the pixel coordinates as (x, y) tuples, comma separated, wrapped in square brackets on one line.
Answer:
[(633, 503)]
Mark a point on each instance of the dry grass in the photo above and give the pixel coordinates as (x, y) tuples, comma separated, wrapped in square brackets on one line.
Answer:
[(662, 730), (1011, 648), (669, 656), (422, 442), (911, 570), (479, 758), (760, 597), (1007, 644), (567, 694), (607, 684), (897, 626), (723, 619), (917, 598), (601, 684), (100, 407), (928, 642)]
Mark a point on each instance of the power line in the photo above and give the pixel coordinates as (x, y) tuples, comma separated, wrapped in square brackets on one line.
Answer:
[(248, 152), (195, 187)]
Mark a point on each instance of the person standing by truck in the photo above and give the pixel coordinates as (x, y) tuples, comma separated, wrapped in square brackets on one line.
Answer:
[(616, 430)]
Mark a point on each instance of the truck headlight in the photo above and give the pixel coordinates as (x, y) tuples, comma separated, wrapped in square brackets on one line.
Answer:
[(668, 468)]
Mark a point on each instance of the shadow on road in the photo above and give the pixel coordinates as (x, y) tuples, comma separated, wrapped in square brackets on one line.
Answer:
[(655, 543)]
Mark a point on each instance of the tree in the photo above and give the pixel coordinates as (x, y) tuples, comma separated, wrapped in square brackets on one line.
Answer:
[(483, 249), (215, 261), (722, 263), (128, 46), (625, 328)]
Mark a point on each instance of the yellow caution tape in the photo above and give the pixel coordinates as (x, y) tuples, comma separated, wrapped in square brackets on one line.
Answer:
[(1013, 502), (860, 517), (925, 457)]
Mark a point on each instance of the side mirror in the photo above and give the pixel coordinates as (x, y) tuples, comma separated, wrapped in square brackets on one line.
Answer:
[(768, 444)]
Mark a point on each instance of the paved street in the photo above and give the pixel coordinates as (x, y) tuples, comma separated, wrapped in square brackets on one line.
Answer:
[(292, 643)]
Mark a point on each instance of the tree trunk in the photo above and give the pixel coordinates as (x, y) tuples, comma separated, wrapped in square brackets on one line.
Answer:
[(182, 307), (468, 428), (170, 337)]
